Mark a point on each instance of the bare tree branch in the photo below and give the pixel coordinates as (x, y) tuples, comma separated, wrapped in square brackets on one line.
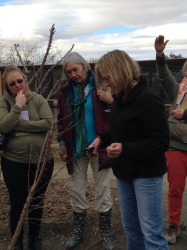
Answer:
[(52, 32), (20, 59), (49, 70)]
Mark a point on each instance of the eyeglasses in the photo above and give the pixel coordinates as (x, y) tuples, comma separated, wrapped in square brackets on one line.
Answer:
[(106, 79), (14, 83)]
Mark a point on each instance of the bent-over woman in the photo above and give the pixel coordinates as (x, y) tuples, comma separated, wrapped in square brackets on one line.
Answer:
[(136, 144)]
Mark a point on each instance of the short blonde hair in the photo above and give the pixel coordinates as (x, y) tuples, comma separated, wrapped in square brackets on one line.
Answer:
[(7, 72), (121, 69)]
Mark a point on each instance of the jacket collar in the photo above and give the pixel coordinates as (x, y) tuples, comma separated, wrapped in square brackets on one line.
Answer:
[(142, 83)]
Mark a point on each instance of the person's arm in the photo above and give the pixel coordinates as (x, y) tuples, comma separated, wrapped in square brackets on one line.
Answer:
[(8, 120), (60, 127), (164, 74), (105, 97), (178, 114), (155, 125), (60, 118), (156, 138), (41, 125), (102, 140), (105, 138)]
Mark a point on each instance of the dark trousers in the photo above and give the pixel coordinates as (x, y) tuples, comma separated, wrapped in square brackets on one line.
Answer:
[(16, 178)]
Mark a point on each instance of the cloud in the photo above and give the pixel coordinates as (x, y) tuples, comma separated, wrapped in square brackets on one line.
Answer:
[(96, 27), (139, 43)]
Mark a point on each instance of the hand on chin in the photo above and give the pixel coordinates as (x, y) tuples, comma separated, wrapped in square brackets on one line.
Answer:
[(20, 91)]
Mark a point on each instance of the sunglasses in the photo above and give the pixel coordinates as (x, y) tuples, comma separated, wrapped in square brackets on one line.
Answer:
[(14, 83), (106, 79)]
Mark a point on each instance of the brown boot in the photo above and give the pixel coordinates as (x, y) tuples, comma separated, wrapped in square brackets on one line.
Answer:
[(173, 233)]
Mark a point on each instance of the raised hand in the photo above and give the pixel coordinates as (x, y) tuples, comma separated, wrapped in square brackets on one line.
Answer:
[(160, 45)]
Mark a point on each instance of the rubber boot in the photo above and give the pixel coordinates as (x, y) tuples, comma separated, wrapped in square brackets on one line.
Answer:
[(79, 219), (19, 244), (105, 225), (35, 243)]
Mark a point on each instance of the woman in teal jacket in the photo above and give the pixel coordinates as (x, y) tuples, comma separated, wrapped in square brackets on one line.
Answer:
[(26, 122), (80, 105)]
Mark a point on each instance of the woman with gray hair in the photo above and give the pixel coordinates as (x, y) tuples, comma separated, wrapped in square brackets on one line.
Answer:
[(81, 117)]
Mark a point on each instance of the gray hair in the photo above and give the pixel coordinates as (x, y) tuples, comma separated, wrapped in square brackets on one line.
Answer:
[(75, 58)]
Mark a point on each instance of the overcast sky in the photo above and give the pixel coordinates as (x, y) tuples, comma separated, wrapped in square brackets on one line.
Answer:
[(97, 26)]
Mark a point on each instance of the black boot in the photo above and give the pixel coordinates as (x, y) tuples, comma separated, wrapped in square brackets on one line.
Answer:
[(79, 219), (105, 225), (19, 244), (35, 243)]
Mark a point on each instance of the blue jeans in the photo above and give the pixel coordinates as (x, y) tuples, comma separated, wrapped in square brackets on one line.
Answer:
[(140, 203)]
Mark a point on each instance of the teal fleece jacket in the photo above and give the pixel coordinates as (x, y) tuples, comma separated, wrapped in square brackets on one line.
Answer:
[(25, 137)]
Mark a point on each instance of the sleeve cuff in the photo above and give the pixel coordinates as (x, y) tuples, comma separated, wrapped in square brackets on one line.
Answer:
[(99, 138), (161, 59), (16, 109), (62, 143)]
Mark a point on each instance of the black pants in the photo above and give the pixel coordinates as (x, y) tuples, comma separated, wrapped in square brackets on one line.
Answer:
[(16, 178)]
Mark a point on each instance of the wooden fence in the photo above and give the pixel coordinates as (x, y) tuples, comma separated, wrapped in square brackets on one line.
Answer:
[(148, 69)]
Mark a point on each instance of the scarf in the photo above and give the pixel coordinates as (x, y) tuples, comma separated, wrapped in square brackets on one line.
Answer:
[(80, 132)]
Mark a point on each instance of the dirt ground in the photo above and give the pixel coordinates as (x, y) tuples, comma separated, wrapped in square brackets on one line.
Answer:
[(58, 222)]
